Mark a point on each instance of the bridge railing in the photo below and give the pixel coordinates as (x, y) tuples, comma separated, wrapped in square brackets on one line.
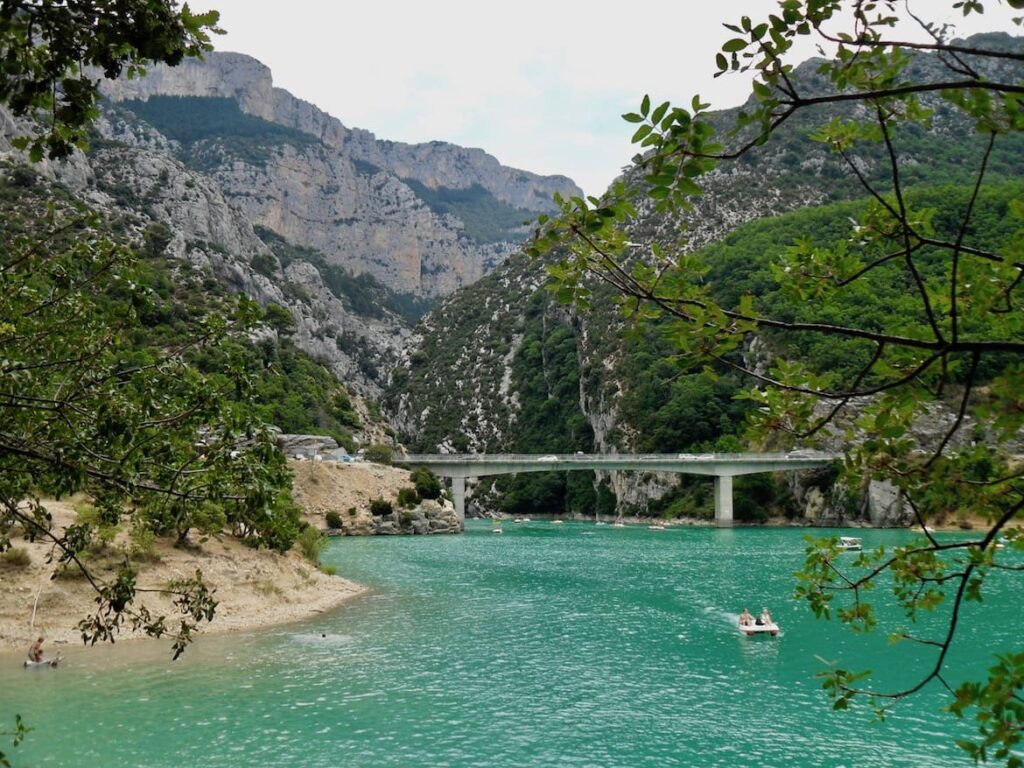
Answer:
[(442, 458)]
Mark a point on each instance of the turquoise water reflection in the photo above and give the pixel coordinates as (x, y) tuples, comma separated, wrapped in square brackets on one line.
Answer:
[(568, 645)]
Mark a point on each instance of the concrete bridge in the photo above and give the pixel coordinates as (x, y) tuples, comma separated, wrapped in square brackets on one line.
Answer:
[(722, 466)]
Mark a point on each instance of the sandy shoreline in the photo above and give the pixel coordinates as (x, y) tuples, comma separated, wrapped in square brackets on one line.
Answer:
[(254, 588)]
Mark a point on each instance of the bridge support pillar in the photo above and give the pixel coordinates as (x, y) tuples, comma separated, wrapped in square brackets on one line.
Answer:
[(723, 501), (459, 497)]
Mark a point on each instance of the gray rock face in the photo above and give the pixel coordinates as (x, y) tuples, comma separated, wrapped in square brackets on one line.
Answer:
[(886, 506), (435, 164), (373, 224), (428, 517), (305, 445), (133, 176), (346, 194)]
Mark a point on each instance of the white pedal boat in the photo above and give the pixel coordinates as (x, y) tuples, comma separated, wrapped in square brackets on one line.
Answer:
[(758, 629)]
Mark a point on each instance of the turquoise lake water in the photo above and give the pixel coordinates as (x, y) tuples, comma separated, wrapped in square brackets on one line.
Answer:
[(570, 645)]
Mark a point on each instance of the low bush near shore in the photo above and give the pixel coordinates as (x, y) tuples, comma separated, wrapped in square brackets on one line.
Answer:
[(17, 556), (311, 543)]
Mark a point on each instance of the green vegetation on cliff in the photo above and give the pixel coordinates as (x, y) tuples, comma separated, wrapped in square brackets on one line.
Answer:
[(487, 219), (202, 122), (546, 376), (363, 294)]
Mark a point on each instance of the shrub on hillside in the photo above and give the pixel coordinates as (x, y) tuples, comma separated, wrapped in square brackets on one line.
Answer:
[(333, 520), (427, 484), (378, 453), (381, 507), (142, 544), (311, 543), (407, 497)]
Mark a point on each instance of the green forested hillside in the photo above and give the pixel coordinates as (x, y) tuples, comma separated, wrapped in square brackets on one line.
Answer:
[(288, 389), (546, 374), (742, 263), (664, 406)]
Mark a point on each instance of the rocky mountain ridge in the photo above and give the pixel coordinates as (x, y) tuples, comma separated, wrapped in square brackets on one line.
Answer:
[(276, 199), (435, 164), (372, 206)]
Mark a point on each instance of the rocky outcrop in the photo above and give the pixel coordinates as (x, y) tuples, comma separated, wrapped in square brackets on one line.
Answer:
[(349, 490), (306, 446), (427, 517)]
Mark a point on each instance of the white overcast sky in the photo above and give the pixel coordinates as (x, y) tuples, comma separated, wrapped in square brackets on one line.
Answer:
[(539, 85)]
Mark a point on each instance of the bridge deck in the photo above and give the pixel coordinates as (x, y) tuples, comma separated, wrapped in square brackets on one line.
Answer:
[(717, 464), (722, 466)]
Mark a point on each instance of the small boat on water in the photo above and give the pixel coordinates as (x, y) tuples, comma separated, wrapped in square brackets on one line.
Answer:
[(656, 527), (618, 523), (44, 664), (600, 522), (558, 522), (851, 543), (758, 629)]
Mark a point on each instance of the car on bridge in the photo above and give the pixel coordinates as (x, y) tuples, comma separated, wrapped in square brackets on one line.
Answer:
[(547, 459)]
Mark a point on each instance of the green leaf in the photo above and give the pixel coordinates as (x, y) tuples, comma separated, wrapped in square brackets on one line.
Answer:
[(641, 133)]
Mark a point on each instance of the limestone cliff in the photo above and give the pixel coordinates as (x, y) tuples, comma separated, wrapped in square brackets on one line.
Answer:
[(281, 201), (392, 210), (131, 177)]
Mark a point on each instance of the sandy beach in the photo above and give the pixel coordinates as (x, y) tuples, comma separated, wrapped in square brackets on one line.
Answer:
[(255, 588)]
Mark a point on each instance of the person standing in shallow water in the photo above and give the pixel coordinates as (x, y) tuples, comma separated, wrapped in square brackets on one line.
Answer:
[(35, 653)]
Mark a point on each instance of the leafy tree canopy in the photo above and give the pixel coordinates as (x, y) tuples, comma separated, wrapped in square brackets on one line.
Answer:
[(955, 334), (93, 397), (50, 53)]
